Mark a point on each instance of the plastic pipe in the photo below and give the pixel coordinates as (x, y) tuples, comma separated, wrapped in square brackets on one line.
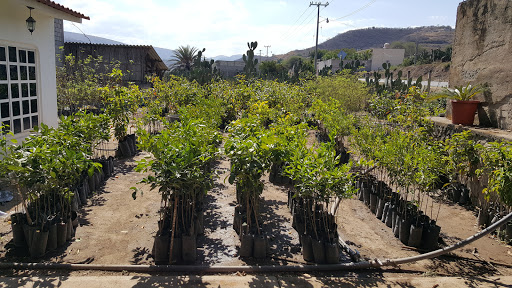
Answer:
[(455, 246)]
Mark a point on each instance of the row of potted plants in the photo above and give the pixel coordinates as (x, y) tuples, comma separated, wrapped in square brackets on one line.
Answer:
[(181, 160), (455, 160), (410, 224), (318, 178), (50, 171), (315, 173), (249, 149)]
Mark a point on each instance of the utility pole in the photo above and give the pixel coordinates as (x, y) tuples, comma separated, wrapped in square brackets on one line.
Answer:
[(267, 46), (260, 55), (318, 4), (416, 53)]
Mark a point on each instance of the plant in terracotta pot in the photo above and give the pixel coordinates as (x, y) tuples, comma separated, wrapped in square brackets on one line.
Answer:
[(463, 107)]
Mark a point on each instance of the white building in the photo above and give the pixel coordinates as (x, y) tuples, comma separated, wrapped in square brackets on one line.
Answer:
[(335, 64), (394, 57), (28, 93)]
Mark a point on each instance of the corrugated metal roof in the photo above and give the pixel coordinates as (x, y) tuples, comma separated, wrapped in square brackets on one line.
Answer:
[(63, 9), (114, 45)]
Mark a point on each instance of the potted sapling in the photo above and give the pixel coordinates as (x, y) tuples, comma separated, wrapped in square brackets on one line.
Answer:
[(249, 149)]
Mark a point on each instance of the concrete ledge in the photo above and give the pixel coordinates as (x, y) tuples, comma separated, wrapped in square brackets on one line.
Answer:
[(489, 134)]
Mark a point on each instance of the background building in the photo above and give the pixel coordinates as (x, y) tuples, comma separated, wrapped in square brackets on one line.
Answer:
[(136, 61)]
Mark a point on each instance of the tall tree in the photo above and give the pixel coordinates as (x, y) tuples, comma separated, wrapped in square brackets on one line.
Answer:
[(184, 57)]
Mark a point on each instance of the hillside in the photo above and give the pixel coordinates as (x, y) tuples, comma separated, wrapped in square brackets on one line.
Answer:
[(428, 36)]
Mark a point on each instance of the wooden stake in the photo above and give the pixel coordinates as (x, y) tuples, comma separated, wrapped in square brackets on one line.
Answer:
[(173, 227)]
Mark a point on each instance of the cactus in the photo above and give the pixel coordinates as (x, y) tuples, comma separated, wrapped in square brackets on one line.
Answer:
[(250, 61), (353, 66), (327, 70), (202, 70), (395, 85)]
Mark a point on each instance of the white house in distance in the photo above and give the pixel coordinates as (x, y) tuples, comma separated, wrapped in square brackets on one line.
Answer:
[(28, 93), (394, 57), (386, 55)]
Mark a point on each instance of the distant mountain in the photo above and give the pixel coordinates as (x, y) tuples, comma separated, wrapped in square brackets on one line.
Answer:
[(165, 54), (426, 36), (227, 58)]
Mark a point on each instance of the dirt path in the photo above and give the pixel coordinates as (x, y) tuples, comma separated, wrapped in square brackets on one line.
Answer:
[(115, 229), (373, 239)]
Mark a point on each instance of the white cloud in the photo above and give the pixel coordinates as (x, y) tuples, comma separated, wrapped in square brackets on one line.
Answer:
[(224, 26)]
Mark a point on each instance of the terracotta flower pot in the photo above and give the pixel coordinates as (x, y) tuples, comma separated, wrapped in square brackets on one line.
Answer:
[(463, 112)]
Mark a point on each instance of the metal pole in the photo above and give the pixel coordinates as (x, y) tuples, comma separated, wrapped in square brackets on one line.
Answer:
[(316, 44), (318, 4)]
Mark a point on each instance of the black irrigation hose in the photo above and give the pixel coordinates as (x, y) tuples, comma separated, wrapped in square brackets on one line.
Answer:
[(455, 246), (252, 269)]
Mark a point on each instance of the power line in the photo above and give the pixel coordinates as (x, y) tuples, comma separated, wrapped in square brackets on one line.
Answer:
[(301, 27), (296, 20), (356, 11), (296, 27), (90, 42), (289, 31)]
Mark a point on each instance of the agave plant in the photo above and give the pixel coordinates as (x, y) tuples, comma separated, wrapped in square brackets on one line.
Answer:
[(460, 93)]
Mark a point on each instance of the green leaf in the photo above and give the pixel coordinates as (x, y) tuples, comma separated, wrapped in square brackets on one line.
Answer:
[(134, 193)]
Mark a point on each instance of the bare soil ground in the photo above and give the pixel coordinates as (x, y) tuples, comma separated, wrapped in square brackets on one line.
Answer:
[(115, 229)]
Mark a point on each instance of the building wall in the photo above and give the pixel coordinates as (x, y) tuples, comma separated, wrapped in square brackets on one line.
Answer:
[(336, 64), (59, 42), (229, 69), (132, 58), (14, 33), (393, 56), (482, 53)]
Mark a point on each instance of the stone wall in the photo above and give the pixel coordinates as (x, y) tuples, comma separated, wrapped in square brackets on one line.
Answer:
[(482, 54)]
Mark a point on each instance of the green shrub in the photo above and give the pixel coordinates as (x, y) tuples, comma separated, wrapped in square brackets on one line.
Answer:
[(351, 93)]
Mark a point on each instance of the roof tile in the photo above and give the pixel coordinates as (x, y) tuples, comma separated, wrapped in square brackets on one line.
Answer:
[(63, 9)]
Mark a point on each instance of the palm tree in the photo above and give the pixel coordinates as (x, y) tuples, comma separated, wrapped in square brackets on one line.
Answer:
[(184, 57)]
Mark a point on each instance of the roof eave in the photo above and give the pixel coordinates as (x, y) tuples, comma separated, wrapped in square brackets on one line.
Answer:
[(44, 7)]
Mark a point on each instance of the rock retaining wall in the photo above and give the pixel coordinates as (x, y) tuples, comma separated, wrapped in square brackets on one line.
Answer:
[(482, 52)]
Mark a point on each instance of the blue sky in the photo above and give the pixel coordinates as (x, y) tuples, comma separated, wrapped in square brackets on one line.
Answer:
[(224, 27)]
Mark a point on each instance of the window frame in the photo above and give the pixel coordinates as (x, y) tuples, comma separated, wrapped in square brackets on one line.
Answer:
[(28, 88)]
